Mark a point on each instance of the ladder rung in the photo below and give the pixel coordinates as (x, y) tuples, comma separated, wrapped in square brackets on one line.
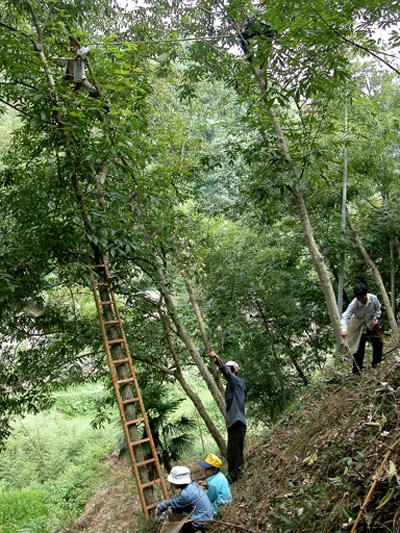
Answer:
[(136, 421), (118, 361), (151, 506), (100, 266), (132, 400), (107, 302), (102, 284), (142, 463), (124, 381), (150, 483), (139, 442), (107, 322), (115, 341)]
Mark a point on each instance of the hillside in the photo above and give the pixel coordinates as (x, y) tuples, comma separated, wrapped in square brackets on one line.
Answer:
[(312, 471)]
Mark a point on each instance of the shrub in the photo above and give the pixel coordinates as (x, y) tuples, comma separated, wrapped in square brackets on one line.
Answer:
[(17, 507)]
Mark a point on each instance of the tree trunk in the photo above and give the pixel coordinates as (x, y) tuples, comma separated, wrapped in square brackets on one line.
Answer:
[(319, 264), (197, 312), (298, 368), (316, 255), (392, 278), (193, 396), (377, 276), (183, 334), (281, 377), (396, 240)]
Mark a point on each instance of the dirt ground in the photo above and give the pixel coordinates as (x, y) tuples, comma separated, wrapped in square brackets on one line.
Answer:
[(114, 508)]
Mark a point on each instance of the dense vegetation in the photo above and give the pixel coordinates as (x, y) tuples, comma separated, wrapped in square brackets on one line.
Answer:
[(212, 181), (53, 463)]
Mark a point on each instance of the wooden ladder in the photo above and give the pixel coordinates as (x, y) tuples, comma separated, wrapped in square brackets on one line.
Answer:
[(126, 387)]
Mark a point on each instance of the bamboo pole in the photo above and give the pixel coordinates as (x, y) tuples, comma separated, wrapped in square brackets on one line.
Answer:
[(374, 484)]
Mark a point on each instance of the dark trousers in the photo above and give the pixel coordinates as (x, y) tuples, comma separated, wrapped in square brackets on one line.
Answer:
[(375, 335), (236, 435), (91, 89)]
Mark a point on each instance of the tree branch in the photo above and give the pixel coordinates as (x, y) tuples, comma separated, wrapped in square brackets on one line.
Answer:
[(156, 365), (16, 30), (37, 25), (16, 108), (17, 82), (348, 41)]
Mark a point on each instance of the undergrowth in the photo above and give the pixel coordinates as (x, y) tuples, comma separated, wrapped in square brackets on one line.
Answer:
[(52, 464)]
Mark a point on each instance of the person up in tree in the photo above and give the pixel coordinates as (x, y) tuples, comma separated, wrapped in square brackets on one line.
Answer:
[(75, 73), (256, 30), (359, 323), (235, 398)]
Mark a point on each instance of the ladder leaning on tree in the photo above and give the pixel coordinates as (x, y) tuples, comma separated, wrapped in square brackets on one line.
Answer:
[(126, 386)]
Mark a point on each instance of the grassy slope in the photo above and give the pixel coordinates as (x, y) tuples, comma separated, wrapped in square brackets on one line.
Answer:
[(313, 471)]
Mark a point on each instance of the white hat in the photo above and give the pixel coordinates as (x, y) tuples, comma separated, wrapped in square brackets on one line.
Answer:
[(180, 475), (234, 364)]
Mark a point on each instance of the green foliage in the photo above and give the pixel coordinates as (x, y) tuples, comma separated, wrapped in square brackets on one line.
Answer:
[(45, 447), (57, 455), (17, 505), (80, 477), (78, 401)]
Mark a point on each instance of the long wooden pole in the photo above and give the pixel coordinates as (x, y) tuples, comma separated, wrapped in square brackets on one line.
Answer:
[(371, 490), (343, 225)]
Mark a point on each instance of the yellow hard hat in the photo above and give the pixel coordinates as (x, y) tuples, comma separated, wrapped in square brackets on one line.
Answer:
[(211, 461)]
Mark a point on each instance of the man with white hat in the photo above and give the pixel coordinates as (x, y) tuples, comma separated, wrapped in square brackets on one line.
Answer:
[(191, 503), (235, 398)]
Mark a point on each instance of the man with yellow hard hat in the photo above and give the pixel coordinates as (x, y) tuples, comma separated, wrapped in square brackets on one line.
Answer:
[(217, 485)]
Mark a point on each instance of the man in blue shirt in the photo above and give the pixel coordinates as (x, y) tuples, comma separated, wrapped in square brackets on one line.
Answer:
[(217, 485), (235, 398), (359, 323), (191, 501)]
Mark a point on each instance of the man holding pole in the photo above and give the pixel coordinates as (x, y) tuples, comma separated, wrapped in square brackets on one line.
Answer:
[(75, 67), (235, 398), (359, 323)]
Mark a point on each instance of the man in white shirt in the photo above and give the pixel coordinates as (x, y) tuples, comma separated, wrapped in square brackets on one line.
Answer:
[(359, 323), (75, 67)]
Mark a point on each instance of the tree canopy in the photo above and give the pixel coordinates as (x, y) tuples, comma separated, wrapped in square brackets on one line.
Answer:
[(211, 180)]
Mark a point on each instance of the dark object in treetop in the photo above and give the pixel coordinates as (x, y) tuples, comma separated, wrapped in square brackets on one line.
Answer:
[(254, 29)]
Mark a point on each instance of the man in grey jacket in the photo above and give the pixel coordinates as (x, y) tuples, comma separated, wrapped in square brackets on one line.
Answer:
[(75, 67), (359, 323), (235, 398), (191, 503)]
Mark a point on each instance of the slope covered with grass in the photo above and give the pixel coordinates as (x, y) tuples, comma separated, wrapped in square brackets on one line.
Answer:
[(313, 470)]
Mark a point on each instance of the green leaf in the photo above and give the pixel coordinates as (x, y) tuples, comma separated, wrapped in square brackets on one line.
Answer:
[(386, 498)]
